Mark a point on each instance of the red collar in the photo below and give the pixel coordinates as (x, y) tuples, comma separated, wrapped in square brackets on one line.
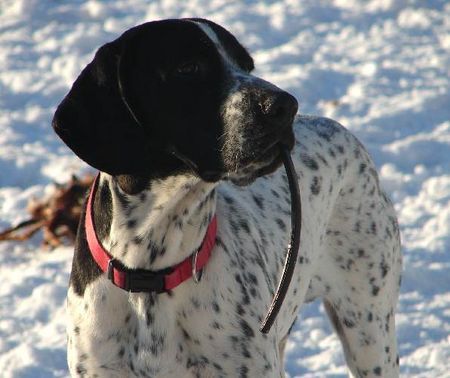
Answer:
[(141, 280)]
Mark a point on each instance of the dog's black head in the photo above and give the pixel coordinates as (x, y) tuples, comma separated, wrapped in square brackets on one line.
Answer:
[(176, 95)]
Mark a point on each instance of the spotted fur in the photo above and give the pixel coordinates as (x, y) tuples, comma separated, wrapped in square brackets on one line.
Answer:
[(155, 217)]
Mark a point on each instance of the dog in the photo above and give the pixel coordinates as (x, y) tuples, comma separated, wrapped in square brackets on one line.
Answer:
[(186, 140)]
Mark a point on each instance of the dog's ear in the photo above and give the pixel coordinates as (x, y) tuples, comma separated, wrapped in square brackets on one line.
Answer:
[(134, 79), (94, 121)]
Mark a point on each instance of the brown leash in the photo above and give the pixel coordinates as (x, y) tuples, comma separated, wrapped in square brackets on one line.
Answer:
[(292, 252)]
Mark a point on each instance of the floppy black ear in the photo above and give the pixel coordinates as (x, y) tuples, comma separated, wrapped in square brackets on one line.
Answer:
[(94, 121)]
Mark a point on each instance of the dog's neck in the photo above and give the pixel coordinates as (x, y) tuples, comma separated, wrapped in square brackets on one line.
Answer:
[(159, 226)]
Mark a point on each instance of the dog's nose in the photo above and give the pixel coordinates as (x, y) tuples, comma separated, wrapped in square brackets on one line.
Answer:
[(279, 108)]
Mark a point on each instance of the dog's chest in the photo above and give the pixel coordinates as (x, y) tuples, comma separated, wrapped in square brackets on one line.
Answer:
[(196, 327), (130, 334), (196, 330)]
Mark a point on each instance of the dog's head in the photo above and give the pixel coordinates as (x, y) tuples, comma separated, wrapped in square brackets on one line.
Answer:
[(176, 95)]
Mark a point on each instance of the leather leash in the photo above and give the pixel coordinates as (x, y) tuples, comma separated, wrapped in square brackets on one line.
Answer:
[(293, 247)]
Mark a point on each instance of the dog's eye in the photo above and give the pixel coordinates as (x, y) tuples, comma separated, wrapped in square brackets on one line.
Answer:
[(188, 69)]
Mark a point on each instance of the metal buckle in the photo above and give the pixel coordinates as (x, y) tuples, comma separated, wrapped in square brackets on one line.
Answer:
[(110, 270), (196, 275)]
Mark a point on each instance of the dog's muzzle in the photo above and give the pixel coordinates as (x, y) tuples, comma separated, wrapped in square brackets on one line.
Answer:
[(257, 117)]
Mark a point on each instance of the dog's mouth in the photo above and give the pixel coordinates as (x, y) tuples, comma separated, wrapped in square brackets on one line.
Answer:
[(258, 157), (265, 159)]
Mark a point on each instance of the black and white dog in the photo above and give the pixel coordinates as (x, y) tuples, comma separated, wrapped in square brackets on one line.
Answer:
[(186, 137)]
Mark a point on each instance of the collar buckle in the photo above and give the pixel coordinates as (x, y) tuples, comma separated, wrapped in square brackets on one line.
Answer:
[(138, 281)]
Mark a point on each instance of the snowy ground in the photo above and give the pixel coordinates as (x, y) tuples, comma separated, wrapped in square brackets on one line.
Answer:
[(380, 67)]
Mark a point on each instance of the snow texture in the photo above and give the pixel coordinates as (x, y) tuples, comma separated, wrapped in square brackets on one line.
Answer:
[(380, 67)]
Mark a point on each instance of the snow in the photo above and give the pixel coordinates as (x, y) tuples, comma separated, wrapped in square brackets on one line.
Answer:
[(380, 67)]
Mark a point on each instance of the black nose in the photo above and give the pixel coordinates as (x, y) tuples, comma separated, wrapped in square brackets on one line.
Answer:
[(279, 108)]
